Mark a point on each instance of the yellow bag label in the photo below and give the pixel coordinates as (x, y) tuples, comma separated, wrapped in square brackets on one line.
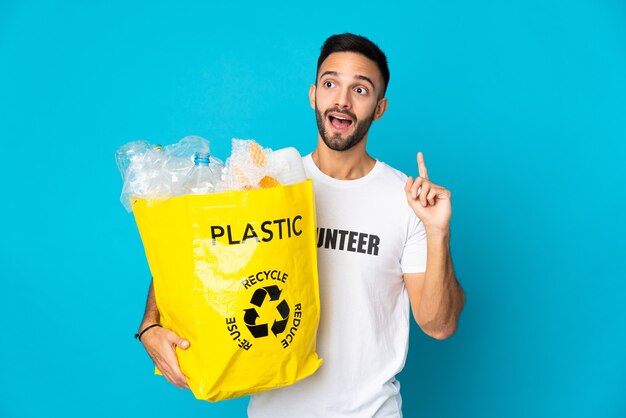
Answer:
[(235, 273)]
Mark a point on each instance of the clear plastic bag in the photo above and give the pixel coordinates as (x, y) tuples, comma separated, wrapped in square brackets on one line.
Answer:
[(153, 172)]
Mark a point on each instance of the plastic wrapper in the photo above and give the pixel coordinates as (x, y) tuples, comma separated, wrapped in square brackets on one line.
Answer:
[(250, 166)]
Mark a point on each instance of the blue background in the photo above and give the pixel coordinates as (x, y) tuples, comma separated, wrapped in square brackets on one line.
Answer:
[(519, 107)]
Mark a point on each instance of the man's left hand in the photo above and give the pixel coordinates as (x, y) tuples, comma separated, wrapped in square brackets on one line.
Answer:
[(430, 202)]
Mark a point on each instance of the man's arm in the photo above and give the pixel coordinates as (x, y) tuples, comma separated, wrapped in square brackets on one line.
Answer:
[(437, 298), (151, 313), (161, 343)]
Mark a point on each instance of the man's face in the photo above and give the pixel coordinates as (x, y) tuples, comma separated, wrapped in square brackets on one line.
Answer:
[(347, 99)]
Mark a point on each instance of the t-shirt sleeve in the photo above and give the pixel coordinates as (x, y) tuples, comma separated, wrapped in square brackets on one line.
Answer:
[(414, 254)]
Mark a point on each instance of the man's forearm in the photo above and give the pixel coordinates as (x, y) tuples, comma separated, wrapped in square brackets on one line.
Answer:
[(151, 313), (442, 297)]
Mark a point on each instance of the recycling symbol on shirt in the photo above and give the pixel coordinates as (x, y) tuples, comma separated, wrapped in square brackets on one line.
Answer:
[(251, 315)]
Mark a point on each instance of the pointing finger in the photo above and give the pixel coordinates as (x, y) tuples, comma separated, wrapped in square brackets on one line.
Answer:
[(421, 165)]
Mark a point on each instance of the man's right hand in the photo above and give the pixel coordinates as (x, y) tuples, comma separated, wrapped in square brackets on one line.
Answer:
[(161, 343)]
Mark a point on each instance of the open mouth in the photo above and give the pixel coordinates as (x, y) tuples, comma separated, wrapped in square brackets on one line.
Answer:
[(339, 121)]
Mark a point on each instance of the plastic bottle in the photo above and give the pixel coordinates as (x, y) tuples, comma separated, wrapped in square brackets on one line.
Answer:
[(289, 163), (204, 176)]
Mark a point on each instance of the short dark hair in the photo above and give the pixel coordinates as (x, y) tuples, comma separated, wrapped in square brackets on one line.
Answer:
[(348, 42)]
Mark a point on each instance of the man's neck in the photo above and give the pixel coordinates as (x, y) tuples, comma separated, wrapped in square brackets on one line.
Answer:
[(343, 165)]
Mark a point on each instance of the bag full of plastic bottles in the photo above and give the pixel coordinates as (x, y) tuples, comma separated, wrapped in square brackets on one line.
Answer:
[(232, 251)]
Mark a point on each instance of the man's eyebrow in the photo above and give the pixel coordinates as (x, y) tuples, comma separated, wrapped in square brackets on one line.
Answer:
[(358, 77), (362, 77)]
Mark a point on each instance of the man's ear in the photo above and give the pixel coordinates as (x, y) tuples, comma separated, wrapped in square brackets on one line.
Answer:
[(381, 108), (312, 95)]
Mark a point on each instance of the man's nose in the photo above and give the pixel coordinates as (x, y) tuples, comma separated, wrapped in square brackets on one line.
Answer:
[(342, 99)]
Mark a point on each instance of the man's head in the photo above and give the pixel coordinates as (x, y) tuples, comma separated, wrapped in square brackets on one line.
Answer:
[(348, 94), (348, 42)]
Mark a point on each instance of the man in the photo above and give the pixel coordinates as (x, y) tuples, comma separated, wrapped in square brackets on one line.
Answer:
[(365, 297)]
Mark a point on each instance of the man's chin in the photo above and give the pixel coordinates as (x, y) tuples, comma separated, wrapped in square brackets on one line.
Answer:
[(339, 143)]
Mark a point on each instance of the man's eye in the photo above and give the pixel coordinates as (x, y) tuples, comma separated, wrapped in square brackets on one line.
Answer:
[(360, 90), (328, 84)]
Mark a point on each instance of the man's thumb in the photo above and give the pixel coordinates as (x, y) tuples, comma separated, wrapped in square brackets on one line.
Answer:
[(182, 343)]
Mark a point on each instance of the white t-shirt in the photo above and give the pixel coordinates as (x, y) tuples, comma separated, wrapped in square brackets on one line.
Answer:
[(367, 237)]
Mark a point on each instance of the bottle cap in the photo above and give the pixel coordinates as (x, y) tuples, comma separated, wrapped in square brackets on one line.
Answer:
[(201, 158)]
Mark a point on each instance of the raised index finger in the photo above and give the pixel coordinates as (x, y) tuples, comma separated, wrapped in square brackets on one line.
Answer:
[(421, 166)]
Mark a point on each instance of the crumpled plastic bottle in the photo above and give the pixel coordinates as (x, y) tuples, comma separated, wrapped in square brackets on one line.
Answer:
[(127, 153)]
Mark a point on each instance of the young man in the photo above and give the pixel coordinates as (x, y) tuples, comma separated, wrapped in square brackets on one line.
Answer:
[(365, 296)]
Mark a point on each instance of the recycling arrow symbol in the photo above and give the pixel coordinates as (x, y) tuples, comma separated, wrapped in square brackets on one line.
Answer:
[(251, 315)]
